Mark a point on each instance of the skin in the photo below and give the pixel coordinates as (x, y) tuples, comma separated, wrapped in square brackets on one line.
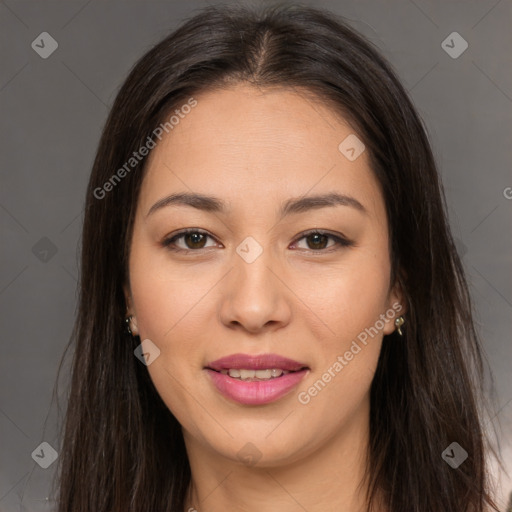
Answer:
[(255, 149)]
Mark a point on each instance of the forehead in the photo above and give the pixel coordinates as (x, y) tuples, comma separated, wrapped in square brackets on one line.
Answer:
[(256, 145)]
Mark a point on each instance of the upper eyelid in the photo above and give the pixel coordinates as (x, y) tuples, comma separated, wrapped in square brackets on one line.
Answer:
[(170, 239)]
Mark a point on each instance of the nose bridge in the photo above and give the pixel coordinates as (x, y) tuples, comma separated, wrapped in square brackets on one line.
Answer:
[(255, 297), (256, 273)]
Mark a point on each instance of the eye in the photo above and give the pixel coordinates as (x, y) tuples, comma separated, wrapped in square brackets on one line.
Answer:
[(318, 241), (193, 239)]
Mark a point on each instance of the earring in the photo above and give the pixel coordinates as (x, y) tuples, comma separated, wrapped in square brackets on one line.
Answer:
[(398, 323), (128, 320)]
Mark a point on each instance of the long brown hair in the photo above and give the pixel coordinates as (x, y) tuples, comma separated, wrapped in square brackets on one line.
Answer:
[(122, 449)]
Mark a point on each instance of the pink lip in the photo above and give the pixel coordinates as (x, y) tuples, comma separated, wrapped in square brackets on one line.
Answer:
[(258, 362), (256, 392)]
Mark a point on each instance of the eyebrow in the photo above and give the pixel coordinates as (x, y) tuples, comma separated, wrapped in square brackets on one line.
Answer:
[(289, 207)]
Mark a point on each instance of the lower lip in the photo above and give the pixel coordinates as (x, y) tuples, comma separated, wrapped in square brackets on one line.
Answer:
[(255, 392)]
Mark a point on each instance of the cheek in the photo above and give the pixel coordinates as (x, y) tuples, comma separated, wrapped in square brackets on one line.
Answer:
[(173, 307), (346, 299), (166, 315), (337, 389), (349, 301), (172, 315), (168, 297)]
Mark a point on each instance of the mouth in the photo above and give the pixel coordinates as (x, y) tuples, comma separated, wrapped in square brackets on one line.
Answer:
[(255, 380)]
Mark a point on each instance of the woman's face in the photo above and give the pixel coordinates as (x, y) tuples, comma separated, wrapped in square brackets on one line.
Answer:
[(251, 281)]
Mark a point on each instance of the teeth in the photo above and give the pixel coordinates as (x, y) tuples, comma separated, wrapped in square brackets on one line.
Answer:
[(246, 374), (263, 374), (243, 374)]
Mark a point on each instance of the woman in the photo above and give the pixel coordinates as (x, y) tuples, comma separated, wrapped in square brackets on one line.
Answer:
[(273, 315)]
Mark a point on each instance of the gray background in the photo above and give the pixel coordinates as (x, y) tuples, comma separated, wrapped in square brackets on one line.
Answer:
[(53, 110)]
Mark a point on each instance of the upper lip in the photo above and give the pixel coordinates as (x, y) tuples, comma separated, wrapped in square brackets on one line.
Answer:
[(255, 362)]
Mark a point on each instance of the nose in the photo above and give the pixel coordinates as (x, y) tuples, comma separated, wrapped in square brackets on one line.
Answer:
[(255, 297)]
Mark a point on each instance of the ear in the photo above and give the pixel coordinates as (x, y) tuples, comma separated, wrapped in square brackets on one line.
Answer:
[(396, 304), (130, 311), (128, 299)]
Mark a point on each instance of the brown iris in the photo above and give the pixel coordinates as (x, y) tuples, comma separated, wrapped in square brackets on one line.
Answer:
[(318, 239), (197, 240)]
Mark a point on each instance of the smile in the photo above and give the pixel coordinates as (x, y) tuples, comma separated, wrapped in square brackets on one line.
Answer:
[(255, 380)]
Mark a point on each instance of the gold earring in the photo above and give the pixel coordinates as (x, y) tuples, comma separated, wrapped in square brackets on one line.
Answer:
[(398, 323)]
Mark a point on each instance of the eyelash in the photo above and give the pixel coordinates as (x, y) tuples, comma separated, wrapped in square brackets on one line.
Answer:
[(340, 241)]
